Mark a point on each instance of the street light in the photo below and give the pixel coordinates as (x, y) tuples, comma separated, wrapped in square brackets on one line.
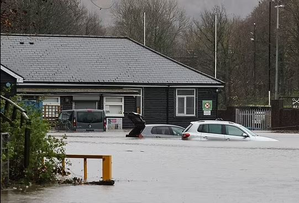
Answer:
[(276, 66), (253, 39)]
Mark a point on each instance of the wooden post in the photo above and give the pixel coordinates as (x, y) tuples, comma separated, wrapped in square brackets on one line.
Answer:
[(63, 167)]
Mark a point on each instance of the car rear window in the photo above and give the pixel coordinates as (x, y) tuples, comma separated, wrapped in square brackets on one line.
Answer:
[(186, 130), (89, 117)]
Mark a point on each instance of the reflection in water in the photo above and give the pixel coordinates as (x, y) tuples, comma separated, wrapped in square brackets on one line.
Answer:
[(173, 170)]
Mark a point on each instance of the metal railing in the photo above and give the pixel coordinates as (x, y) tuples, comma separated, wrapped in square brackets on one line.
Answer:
[(254, 118), (106, 166), (24, 119), (4, 161)]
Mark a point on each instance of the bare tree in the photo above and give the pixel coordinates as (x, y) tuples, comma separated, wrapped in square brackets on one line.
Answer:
[(47, 17), (164, 23), (200, 40)]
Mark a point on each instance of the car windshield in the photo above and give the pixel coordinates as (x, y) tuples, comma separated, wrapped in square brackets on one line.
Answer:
[(247, 130), (89, 117)]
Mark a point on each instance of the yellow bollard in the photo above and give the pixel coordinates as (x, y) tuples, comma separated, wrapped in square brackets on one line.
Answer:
[(85, 169), (107, 169)]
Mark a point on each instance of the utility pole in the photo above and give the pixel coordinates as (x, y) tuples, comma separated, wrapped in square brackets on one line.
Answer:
[(269, 55), (277, 53), (215, 45), (144, 28)]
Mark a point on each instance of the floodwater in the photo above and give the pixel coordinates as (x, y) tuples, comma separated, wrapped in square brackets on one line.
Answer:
[(177, 171)]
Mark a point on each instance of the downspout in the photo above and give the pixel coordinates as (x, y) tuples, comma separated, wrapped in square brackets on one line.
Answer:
[(167, 105), (217, 93)]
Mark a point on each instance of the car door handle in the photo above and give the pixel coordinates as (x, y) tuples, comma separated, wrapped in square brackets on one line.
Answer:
[(205, 137)]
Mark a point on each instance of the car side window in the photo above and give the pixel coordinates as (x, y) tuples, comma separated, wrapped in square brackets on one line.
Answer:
[(232, 130), (203, 128), (177, 131), (215, 128), (162, 130), (210, 128)]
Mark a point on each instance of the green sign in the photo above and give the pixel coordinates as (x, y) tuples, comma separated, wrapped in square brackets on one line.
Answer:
[(207, 105)]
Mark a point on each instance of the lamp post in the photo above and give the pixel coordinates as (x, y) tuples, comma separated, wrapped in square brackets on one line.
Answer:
[(277, 35), (253, 39)]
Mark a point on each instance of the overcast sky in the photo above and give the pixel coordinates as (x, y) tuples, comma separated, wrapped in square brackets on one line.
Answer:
[(192, 7)]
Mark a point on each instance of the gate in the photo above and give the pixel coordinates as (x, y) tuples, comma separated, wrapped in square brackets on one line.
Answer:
[(254, 118)]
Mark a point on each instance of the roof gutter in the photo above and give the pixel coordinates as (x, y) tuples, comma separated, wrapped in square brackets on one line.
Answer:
[(117, 85)]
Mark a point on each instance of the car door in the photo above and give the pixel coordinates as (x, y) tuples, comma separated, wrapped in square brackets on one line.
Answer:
[(213, 132), (233, 133)]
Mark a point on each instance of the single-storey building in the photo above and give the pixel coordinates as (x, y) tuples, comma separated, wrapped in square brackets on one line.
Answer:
[(116, 74)]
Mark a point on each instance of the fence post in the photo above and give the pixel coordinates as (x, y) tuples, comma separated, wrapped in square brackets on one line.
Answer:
[(27, 147)]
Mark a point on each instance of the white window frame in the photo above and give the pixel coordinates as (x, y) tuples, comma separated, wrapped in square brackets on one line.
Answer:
[(185, 103), (141, 97), (52, 103), (114, 104)]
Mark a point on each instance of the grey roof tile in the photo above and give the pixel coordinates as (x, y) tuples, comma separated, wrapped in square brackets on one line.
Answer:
[(93, 60)]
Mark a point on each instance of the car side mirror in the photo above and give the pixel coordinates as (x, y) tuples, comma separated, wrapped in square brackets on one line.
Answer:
[(245, 135)]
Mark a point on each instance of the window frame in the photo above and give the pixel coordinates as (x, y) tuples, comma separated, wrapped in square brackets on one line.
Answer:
[(51, 103), (185, 103), (122, 104)]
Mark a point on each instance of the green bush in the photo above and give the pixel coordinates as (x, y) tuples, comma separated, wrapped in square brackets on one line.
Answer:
[(45, 151)]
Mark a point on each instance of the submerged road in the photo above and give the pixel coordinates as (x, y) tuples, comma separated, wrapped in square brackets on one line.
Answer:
[(176, 171)]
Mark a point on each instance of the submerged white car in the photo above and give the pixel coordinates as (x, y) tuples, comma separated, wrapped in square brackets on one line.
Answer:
[(220, 131)]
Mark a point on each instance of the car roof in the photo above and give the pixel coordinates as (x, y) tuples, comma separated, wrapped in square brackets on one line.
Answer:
[(214, 122), (156, 125)]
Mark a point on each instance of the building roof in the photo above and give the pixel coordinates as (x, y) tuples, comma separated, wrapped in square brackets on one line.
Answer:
[(91, 59), (18, 77)]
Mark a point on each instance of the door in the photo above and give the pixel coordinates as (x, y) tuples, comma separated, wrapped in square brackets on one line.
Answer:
[(212, 132), (234, 133)]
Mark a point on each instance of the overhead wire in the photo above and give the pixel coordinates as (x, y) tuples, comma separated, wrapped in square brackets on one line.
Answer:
[(103, 7)]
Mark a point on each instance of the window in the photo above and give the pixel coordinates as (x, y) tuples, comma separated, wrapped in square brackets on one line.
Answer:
[(177, 131), (89, 117), (210, 128), (186, 130), (162, 130), (114, 106), (185, 102), (51, 107), (232, 130), (51, 101), (216, 129)]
